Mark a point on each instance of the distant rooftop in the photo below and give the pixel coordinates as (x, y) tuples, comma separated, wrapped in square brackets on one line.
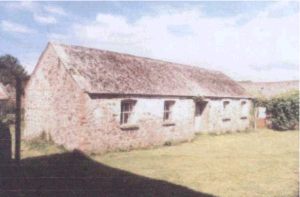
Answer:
[(269, 89)]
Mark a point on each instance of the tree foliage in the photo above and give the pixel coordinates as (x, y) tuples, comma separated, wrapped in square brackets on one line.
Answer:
[(10, 68), (283, 110)]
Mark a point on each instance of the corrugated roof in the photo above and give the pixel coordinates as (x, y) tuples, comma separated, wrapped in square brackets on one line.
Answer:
[(105, 72)]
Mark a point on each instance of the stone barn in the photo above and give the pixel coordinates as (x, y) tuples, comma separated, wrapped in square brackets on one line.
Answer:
[(97, 101)]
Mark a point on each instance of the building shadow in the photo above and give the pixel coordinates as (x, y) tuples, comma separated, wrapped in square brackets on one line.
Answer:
[(75, 174)]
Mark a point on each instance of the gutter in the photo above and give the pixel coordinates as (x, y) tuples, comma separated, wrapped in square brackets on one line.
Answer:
[(119, 95)]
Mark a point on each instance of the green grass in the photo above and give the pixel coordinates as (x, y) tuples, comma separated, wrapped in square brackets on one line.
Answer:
[(39, 147), (261, 163), (36, 147)]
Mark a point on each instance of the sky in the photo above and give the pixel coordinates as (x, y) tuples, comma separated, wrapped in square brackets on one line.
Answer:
[(256, 41)]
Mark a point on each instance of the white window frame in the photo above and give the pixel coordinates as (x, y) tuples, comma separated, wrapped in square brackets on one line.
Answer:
[(168, 110), (129, 112)]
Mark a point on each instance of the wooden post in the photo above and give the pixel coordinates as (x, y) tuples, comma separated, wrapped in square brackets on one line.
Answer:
[(18, 120)]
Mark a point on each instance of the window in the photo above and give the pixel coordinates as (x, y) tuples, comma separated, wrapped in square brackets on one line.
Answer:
[(225, 105), (168, 110), (127, 111), (244, 110), (226, 115), (261, 112)]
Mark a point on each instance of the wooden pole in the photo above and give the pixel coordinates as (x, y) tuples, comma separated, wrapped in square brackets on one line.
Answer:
[(18, 120)]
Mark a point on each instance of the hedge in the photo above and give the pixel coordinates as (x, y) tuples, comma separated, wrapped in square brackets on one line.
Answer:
[(283, 111)]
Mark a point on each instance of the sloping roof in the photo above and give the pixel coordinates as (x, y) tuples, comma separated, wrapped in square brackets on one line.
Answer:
[(105, 72), (269, 89), (3, 93)]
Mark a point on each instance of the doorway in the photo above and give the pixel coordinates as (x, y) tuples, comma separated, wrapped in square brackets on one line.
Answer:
[(199, 109)]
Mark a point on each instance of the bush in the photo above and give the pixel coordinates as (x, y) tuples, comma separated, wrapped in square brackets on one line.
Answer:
[(284, 111)]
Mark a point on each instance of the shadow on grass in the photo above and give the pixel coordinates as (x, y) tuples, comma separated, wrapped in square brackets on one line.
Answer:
[(75, 174)]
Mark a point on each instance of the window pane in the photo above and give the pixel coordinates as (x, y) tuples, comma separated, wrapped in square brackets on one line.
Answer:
[(168, 105), (126, 111), (126, 106), (126, 117), (130, 106), (166, 115)]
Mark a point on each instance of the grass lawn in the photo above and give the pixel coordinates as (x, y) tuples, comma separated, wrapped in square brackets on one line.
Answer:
[(260, 163)]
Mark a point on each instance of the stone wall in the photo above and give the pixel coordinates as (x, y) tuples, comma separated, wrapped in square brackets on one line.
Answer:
[(233, 118), (54, 104), (105, 132)]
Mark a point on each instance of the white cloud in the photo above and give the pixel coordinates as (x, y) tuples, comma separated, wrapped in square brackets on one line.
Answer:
[(15, 27), (55, 10), (218, 43), (22, 5), (44, 19), (43, 14)]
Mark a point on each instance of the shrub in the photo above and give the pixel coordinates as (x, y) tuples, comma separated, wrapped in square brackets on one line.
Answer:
[(283, 111)]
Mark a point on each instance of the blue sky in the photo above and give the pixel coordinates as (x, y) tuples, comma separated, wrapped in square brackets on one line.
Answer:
[(256, 41)]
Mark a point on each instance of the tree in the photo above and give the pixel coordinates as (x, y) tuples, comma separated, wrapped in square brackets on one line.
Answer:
[(13, 73), (10, 68)]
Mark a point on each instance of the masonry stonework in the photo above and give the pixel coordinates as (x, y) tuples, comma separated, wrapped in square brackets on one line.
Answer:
[(54, 105), (106, 131)]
